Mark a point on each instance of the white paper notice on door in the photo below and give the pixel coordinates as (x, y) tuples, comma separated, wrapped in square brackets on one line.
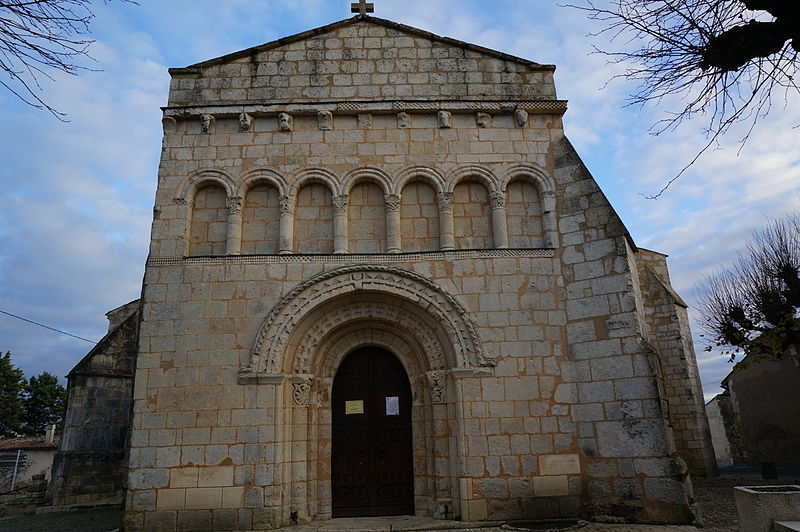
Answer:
[(392, 406)]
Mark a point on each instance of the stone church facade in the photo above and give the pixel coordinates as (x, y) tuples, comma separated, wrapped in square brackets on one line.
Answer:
[(382, 281)]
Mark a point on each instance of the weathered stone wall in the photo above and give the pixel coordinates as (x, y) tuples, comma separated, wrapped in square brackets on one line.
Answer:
[(535, 392), (351, 62), (625, 442), (668, 331), (90, 464)]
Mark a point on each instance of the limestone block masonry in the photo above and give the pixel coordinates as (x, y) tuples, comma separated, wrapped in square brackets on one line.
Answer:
[(371, 184)]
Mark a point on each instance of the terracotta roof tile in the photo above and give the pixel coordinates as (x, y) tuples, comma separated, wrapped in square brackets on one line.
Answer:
[(35, 442)]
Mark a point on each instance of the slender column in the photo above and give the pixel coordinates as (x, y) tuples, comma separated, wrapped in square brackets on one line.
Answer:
[(447, 238), (340, 231), (286, 243), (549, 224), (499, 226), (233, 245), (393, 233)]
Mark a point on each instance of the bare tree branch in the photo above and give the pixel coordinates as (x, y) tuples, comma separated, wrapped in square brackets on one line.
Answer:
[(753, 306), (38, 37), (725, 59)]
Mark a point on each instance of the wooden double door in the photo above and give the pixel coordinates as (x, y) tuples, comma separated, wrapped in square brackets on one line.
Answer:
[(372, 469)]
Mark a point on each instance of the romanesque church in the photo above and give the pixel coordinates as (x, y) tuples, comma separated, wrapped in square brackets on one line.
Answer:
[(381, 281)]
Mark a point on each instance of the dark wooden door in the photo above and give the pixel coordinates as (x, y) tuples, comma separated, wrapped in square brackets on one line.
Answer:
[(371, 457)]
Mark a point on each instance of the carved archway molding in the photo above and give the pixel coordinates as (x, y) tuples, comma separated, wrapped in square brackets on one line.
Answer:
[(269, 350), (304, 345)]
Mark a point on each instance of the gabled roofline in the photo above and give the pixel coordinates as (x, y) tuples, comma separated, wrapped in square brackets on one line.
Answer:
[(194, 69)]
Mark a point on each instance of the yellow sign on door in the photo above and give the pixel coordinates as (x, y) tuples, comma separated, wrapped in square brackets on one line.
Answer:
[(354, 407)]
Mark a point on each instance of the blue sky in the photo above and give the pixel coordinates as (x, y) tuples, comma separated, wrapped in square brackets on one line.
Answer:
[(77, 196)]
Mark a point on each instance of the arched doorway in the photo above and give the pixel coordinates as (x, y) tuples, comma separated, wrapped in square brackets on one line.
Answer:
[(371, 453)]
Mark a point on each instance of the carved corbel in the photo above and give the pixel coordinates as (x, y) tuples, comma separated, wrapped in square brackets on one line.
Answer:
[(245, 121), (169, 124), (445, 119), (484, 120), (403, 120), (521, 117), (206, 123), (325, 120), (365, 121), (285, 122)]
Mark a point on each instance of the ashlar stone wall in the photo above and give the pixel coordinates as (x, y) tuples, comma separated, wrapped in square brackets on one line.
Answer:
[(450, 223)]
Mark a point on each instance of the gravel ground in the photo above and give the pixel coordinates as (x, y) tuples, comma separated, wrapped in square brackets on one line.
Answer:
[(714, 497), (95, 520)]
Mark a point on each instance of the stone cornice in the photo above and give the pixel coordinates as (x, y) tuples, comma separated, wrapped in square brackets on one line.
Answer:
[(353, 258), (192, 112)]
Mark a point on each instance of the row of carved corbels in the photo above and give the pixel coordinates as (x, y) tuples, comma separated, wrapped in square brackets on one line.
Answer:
[(325, 120)]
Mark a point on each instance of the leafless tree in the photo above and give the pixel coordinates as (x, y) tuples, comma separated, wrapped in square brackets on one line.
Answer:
[(725, 59), (38, 37), (753, 307)]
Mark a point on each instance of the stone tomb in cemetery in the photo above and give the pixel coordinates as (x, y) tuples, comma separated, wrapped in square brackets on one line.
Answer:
[(381, 281)]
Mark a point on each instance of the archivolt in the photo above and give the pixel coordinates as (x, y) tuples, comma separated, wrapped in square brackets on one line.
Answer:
[(395, 316), (369, 174), (190, 185), (259, 176), (478, 172), (316, 175), (529, 172), (271, 341), (422, 173)]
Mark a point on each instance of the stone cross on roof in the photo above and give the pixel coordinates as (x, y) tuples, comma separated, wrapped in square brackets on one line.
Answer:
[(362, 7)]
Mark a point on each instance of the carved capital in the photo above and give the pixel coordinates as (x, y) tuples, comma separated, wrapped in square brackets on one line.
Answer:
[(340, 204), (234, 205), (392, 202), (498, 200), (446, 201), (287, 205), (438, 383), (301, 389), (325, 120), (182, 201)]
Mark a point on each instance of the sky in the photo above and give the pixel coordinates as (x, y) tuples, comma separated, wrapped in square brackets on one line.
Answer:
[(77, 196)]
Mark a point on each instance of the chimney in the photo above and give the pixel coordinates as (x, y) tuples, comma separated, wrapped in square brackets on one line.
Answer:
[(51, 433)]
